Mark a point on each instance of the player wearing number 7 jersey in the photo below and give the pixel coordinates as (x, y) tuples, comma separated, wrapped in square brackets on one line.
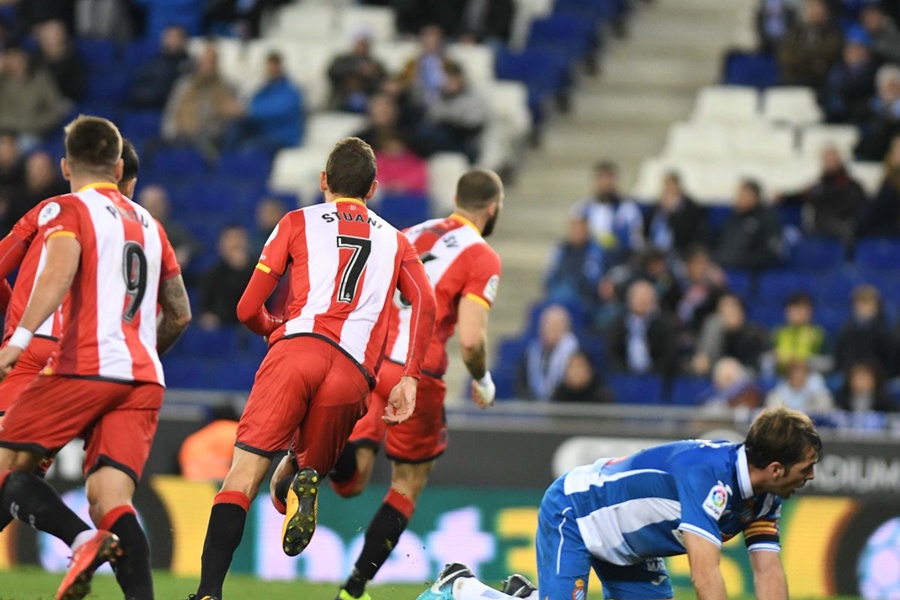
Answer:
[(105, 383), (346, 264)]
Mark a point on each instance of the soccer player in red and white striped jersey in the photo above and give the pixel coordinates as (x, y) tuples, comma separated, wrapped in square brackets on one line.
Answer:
[(465, 273), (105, 383), (346, 265)]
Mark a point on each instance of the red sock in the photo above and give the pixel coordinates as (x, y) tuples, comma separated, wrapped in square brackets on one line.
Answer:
[(233, 497), (405, 505)]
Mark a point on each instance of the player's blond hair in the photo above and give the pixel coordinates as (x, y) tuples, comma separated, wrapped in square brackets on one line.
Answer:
[(93, 145)]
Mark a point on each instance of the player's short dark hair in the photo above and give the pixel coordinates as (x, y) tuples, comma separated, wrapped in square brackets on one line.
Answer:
[(477, 188), (752, 185), (351, 168), (606, 166), (781, 435), (131, 162), (93, 145)]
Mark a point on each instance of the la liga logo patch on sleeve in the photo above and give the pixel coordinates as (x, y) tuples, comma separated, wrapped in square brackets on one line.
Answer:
[(48, 213)]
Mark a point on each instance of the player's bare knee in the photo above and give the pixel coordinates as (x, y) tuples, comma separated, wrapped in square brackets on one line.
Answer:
[(24, 460)]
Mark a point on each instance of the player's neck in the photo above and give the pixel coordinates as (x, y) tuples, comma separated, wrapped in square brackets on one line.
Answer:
[(329, 197), (78, 184), (475, 219)]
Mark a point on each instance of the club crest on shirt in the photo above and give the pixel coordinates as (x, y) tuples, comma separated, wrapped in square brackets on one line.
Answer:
[(715, 502), (50, 211), (490, 290), (580, 591)]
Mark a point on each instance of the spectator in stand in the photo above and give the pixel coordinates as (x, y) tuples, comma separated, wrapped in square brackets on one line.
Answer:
[(487, 22), (751, 237), (57, 54), (676, 221), (864, 389), (883, 120), (384, 124), (801, 389), (117, 20), (12, 175), (546, 358), (154, 81), (727, 333), (275, 117), (42, 181), (355, 76), (615, 222), (799, 339), (734, 389), (851, 82), (643, 339), (773, 20), (883, 31), (156, 200), (31, 103), (882, 215), (866, 334), (425, 73), (576, 266), (202, 107), (33, 12), (222, 286), (650, 264), (835, 202), (454, 121), (581, 383), (269, 212), (701, 286), (400, 170), (410, 111), (238, 18), (811, 46)]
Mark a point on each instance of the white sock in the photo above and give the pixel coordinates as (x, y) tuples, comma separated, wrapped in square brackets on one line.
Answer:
[(82, 537), (469, 588)]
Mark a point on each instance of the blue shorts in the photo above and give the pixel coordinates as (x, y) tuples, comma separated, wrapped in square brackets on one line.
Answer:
[(564, 562)]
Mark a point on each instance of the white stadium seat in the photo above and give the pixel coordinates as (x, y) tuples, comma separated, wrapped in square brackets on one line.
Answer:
[(323, 22), (324, 129), (444, 170), (762, 143), (296, 171), (477, 61), (814, 138), (715, 183), (791, 105), (394, 55), (782, 176), (503, 139), (697, 141), (869, 174), (726, 104)]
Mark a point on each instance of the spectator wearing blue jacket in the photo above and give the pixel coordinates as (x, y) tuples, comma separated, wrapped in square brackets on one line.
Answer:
[(576, 266), (275, 116)]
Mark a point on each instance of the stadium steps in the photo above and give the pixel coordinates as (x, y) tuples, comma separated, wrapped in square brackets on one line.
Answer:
[(648, 81)]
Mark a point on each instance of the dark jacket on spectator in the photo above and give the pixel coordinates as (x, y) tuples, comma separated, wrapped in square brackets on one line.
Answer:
[(859, 340), (750, 240), (687, 225), (847, 92), (882, 215), (806, 54), (221, 288), (880, 401), (155, 80), (69, 73), (836, 202), (747, 345), (574, 273), (661, 344), (595, 392)]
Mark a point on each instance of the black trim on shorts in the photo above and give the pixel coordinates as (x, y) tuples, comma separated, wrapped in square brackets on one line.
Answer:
[(33, 447), (432, 374), (407, 461), (2, 412), (52, 338), (103, 379), (369, 378), (264, 453), (371, 444), (105, 461)]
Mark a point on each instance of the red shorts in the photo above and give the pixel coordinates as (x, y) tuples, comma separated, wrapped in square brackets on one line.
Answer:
[(116, 420), (307, 396), (34, 358), (420, 439)]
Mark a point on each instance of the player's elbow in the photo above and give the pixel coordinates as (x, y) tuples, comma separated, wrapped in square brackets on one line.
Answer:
[(245, 311), (471, 343), (184, 318)]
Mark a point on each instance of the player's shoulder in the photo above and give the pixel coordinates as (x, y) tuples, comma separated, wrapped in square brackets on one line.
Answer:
[(47, 210)]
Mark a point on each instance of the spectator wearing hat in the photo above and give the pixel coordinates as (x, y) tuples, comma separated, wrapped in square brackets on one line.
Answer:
[(866, 334), (851, 82)]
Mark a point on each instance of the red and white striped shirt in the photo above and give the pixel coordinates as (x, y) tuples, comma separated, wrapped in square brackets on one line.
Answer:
[(459, 264), (32, 263), (345, 263), (125, 254)]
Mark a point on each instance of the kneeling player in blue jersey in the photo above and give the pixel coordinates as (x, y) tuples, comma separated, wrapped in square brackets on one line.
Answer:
[(620, 516)]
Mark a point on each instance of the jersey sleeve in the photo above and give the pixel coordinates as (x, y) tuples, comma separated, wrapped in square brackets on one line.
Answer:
[(484, 276), (762, 533), (276, 253), (27, 227), (703, 499), (59, 217), (170, 266)]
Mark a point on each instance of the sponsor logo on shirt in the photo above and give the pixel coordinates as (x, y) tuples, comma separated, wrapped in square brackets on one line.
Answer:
[(715, 502), (490, 290)]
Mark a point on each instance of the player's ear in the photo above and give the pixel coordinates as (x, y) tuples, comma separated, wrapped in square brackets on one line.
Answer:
[(120, 169), (372, 189), (323, 182), (64, 167), (775, 470)]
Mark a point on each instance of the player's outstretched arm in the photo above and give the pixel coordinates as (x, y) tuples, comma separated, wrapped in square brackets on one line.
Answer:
[(769, 579), (472, 325), (176, 313), (704, 556)]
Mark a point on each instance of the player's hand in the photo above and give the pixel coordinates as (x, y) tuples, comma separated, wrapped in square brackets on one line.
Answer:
[(9, 355), (484, 391), (402, 401)]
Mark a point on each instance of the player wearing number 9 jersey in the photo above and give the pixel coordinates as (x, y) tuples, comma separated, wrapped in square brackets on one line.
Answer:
[(105, 383), (346, 264)]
